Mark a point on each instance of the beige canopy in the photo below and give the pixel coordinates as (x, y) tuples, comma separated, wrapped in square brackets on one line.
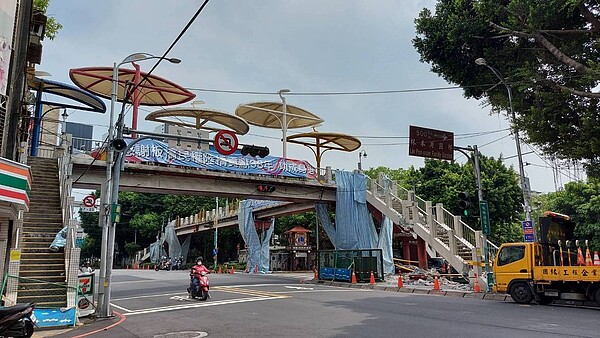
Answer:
[(270, 115), (154, 91), (201, 117), (324, 141)]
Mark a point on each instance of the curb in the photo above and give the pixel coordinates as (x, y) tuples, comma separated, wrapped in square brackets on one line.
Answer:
[(446, 293)]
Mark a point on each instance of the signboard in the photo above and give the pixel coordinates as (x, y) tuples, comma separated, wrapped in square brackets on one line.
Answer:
[(47, 317), (226, 143), (89, 201), (528, 231), (485, 218), (431, 143), (85, 293), (88, 209)]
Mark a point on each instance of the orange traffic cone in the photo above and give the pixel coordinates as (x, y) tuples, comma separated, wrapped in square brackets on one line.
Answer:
[(400, 282), (588, 257), (353, 281), (372, 279), (315, 274), (476, 287), (436, 284), (596, 258), (256, 269), (232, 271), (220, 271), (580, 261)]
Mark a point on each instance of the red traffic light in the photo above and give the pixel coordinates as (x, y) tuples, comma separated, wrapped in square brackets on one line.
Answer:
[(265, 188)]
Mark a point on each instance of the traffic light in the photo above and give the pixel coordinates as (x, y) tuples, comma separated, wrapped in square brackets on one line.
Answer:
[(265, 188), (115, 214), (464, 203), (255, 151)]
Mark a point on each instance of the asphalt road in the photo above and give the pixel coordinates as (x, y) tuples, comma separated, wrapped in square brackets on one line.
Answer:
[(155, 304)]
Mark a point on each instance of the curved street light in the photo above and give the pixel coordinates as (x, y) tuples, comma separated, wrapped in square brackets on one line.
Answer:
[(483, 62), (284, 123)]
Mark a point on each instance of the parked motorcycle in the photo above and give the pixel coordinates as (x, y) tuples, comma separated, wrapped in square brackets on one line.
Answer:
[(178, 263), (164, 264), (201, 290), (17, 321)]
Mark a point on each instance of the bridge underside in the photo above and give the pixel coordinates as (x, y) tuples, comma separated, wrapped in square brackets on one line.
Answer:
[(180, 181)]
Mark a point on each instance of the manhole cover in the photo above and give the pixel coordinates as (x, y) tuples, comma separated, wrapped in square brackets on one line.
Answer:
[(184, 334)]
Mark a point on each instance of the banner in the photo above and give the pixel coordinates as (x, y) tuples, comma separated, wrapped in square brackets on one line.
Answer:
[(152, 151), (48, 317)]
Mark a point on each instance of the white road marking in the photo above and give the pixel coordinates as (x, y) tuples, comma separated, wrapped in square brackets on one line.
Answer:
[(120, 307), (204, 304), (297, 287), (150, 296)]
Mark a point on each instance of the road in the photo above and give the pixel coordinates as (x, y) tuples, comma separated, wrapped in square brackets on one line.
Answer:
[(155, 304)]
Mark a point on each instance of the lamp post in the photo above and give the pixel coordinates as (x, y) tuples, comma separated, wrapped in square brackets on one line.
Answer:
[(284, 120), (109, 195), (361, 154), (483, 62)]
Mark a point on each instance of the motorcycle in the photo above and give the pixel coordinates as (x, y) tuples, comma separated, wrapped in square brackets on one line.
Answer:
[(17, 321), (178, 263), (164, 264), (201, 291)]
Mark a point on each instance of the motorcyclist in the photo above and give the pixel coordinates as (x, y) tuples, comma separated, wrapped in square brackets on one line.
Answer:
[(196, 272)]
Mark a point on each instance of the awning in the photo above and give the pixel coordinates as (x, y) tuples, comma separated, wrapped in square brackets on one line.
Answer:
[(270, 115)]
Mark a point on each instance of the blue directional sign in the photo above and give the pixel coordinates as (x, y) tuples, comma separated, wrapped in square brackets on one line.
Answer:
[(528, 231)]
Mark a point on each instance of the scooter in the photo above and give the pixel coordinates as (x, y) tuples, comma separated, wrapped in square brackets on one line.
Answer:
[(202, 290), (17, 321)]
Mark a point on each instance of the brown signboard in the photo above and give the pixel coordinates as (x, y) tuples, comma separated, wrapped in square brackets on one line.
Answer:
[(431, 143)]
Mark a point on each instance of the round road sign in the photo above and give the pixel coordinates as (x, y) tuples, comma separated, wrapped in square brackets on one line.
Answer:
[(89, 201), (226, 142)]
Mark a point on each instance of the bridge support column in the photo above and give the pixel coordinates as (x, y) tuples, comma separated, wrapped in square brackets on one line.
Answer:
[(422, 253)]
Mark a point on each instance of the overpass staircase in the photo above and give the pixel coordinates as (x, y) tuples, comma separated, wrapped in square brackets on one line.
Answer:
[(445, 234)]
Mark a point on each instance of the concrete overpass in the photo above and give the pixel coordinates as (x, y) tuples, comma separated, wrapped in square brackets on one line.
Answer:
[(137, 177)]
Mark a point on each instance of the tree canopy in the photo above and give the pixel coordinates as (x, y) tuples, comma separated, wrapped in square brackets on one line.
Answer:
[(545, 50)]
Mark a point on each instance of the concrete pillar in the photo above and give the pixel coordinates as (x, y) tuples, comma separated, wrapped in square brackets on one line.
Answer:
[(430, 221), (394, 188), (422, 253), (458, 227), (439, 213), (452, 242), (328, 174), (406, 249)]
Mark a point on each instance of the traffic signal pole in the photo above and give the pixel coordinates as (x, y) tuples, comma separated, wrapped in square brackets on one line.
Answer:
[(475, 159)]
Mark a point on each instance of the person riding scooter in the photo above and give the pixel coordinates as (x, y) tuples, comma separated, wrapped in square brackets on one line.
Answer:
[(196, 272)]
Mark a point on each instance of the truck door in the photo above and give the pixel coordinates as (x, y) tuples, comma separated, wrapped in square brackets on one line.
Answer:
[(512, 263)]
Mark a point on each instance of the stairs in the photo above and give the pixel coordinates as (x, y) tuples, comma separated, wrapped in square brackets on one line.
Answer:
[(40, 225)]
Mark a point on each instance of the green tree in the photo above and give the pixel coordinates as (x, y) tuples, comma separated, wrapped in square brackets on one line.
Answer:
[(548, 52), (52, 26)]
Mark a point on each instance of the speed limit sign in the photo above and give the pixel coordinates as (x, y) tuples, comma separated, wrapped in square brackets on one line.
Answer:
[(226, 142), (89, 201)]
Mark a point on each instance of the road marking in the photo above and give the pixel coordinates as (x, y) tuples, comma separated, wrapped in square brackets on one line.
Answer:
[(247, 292), (297, 287), (150, 296), (120, 307), (204, 304)]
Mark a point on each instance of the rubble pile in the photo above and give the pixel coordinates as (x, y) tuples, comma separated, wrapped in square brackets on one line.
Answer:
[(415, 276)]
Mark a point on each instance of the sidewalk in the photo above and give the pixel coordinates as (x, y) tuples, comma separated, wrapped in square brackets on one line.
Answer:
[(87, 326)]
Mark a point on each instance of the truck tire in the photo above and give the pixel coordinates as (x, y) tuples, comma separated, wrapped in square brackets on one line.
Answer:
[(521, 293)]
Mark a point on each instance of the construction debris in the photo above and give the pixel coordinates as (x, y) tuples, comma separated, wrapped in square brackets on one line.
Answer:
[(415, 276)]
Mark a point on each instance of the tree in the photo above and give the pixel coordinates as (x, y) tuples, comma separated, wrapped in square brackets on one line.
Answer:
[(547, 50), (52, 26)]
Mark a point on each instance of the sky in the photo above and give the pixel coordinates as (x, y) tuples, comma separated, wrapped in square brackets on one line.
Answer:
[(323, 51)]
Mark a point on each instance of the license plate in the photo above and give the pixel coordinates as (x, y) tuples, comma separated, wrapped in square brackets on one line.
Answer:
[(33, 319)]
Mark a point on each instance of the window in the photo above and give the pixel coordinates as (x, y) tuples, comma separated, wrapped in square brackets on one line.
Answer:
[(510, 254)]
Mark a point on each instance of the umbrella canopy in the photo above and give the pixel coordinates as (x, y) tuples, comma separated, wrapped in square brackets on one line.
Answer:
[(270, 115), (201, 117), (87, 99), (154, 91), (323, 141)]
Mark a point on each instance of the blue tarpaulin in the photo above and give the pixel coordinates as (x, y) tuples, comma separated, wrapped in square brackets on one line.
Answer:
[(258, 248)]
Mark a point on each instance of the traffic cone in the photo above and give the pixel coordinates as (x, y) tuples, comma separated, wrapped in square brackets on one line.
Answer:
[(220, 271), (588, 257), (256, 268), (476, 287), (400, 282), (436, 284), (315, 274), (580, 261), (372, 279), (232, 271), (353, 281)]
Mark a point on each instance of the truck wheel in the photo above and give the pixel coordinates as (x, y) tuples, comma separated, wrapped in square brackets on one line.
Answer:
[(521, 293)]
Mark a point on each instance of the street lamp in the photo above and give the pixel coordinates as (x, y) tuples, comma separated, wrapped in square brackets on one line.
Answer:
[(361, 154), (284, 121), (110, 194), (482, 62)]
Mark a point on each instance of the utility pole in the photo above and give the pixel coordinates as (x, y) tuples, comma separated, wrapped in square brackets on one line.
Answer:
[(216, 221)]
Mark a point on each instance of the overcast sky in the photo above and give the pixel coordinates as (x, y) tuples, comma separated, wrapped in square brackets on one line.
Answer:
[(308, 46)]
